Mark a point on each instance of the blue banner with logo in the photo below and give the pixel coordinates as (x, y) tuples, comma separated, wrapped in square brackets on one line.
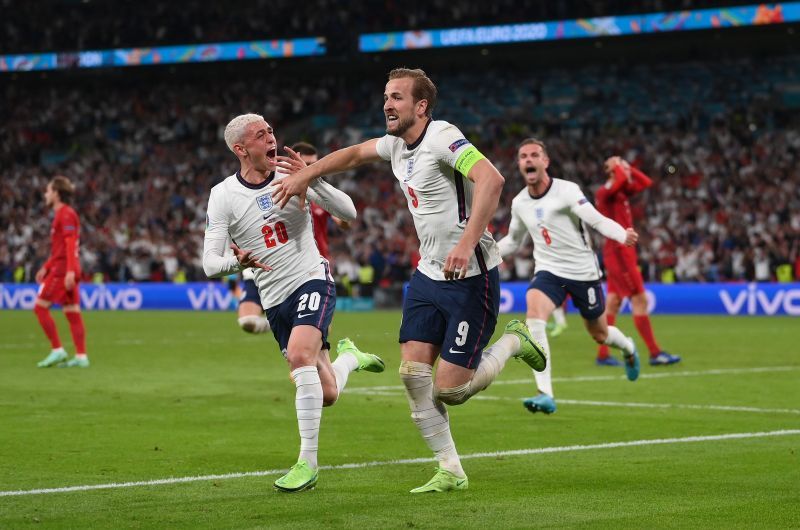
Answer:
[(676, 299), (208, 52), (610, 26), (693, 298)]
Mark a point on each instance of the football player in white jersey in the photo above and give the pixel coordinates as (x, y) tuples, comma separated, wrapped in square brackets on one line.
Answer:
[(555, 213), (451, 306), (296, 287)]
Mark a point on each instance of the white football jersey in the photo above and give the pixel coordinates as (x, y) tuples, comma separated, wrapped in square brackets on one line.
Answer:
[(280, 238), (439, 197), (555, 221)]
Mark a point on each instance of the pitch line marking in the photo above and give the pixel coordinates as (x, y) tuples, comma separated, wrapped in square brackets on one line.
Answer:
[(587, 378), (361, 465), (726, 408)]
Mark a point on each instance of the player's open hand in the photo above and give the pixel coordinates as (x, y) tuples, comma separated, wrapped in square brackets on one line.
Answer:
[(69, 281), (290, 164), (294, 185), (40, 275), (246, 259), (631, 237), (457, 262)]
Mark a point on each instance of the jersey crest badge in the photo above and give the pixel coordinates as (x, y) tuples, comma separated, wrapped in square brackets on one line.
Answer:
[(264, 202), (409, 168), (539, 213)]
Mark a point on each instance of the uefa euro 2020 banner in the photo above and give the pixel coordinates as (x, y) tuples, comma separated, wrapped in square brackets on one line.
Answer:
[(708, 298)]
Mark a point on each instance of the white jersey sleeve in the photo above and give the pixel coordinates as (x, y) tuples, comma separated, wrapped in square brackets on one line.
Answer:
[(384, 147), (332, 200), (448, 145), (516, 235), (216, 261), (607, 227)]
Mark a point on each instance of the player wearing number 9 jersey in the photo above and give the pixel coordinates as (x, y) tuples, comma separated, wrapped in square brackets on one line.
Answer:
[(295, 288), (555, 213), (451, 306)]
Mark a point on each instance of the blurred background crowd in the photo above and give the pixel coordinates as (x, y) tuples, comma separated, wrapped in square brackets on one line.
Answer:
[(719, 135)]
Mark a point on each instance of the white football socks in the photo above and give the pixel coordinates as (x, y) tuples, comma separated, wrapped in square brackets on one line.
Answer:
[(543, 379), (308, 402), (493, 359), (617, 339), (430, 416), (343, 366), (559, 316)]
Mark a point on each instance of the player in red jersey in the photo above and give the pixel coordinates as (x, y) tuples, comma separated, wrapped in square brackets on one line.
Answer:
[(251, 314), (60, 275), (622, 269)]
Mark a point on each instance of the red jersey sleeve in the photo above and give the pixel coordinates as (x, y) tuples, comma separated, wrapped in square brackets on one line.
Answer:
[(618, 182), (70, 228), (639, 182)]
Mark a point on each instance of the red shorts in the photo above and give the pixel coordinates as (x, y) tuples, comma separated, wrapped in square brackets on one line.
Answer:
[(622, 271), (53, 290)]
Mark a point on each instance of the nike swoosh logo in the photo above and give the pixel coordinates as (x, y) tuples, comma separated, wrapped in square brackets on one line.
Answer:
[(456, 351), (304, 315), (460, 482)]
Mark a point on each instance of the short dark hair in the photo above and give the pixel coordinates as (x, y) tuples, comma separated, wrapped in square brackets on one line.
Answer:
[(423, 86), (64, 187), (535, 141), (304, 148)]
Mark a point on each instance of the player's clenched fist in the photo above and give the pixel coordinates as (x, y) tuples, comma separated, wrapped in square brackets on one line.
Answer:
[(631, 237)]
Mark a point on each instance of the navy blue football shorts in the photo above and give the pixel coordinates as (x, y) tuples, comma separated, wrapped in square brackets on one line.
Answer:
[(311, 304), (587, 296), (458, 315)]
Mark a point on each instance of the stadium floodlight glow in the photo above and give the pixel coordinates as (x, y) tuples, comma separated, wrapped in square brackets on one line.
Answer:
[(182, 54), (582, 28)]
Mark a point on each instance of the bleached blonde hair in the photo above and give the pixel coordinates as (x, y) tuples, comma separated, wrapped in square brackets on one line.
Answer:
[(237, 126)]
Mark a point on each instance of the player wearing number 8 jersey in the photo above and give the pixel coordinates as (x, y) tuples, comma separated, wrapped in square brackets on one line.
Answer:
[(296, 287), (555, 213), (451, 306)]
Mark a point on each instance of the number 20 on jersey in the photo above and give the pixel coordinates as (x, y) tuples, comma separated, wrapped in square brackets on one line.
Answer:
[(274, 234)]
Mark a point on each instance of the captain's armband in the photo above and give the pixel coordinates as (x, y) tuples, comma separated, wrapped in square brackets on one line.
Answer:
[(468, 158)]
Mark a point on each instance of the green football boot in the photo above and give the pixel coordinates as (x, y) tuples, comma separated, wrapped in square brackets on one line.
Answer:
[(55, 357), (558, 329), (75, 362), (530, 351), (300, 478), (443, 481), (367, 362)]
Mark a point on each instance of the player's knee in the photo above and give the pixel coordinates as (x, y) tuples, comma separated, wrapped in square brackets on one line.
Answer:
[(600, 335), (328, 397), (453, 396)]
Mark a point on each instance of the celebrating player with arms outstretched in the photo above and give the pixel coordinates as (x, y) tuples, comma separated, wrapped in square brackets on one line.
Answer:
[(622, 268), (296, 288), (554, 211), (60, 276), (451, 307)]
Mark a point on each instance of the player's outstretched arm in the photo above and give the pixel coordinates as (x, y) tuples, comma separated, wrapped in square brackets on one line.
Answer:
[(296, 184), (516, 235), (334, 201), (589, 215)]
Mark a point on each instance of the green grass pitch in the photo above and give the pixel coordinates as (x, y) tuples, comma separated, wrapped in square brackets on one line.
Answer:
[(179, 394)]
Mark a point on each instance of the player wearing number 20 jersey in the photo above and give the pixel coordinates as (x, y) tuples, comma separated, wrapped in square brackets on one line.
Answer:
[(281, 238)]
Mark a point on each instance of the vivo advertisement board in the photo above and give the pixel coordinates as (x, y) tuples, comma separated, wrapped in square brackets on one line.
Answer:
[(678, 299)]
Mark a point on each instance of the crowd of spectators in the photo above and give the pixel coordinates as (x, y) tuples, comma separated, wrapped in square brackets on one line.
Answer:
[(71, 25), (725, 206)]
